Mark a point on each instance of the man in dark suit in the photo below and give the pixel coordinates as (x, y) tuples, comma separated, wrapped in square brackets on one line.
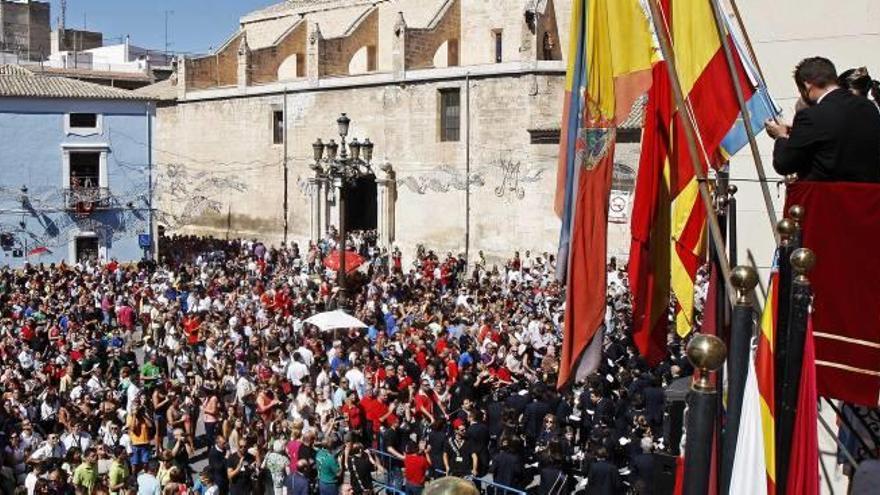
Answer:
[(603, 478), (217, 465), (835, 138), (643, 468)]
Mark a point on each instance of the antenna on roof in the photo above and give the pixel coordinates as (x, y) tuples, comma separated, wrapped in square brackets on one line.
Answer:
[(63, 19)]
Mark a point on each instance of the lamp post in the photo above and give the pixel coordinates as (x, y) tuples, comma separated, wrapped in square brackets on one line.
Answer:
[(344, 164)]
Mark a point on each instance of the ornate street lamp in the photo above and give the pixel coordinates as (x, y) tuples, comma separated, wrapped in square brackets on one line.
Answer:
[(318, 150), (336, 164), (343, 121)]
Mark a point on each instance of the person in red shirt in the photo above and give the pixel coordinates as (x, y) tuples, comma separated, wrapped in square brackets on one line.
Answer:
[(421, 356), (191, 326), (415, 468), (351, 411), (423, 402), (451, 369)]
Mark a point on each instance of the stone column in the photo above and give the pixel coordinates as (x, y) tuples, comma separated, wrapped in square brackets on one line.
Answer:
[(315, 187), (386, 190), (244, 55), (314, 54), (398, 48), (333, 190), (181, 77)]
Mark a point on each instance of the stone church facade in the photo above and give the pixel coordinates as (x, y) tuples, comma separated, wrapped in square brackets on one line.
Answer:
[(462, 99)]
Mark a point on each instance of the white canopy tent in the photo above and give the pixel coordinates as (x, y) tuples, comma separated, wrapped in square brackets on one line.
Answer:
[(332, 320)]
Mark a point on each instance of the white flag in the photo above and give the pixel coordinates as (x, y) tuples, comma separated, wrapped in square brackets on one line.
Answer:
[(749, 470)]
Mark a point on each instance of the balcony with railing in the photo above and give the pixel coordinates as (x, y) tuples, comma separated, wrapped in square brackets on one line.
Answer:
[(84, 195)]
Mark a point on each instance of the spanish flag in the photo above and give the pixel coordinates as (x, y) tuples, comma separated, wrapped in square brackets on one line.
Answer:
[(765, 368), (609, 66), (668, 234)]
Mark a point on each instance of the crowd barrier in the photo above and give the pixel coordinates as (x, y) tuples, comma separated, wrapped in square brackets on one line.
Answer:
[(391, 479)]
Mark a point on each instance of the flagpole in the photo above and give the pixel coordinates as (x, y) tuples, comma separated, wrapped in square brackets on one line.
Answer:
[(742, 328), (690, 134), (746, 115), (802, 261), (748, 40)]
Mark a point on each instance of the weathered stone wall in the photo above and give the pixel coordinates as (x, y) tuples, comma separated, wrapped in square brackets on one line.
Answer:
[(338, 52), (422, 43), (512, 181), (220, 69), (479, 21), (266, 62)]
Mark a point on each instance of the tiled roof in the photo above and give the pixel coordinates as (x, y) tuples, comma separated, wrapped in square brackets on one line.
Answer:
[(163, 91), (93, 74), (20, 82)]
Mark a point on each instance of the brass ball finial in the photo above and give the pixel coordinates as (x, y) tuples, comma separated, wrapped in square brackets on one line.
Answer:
[(744, 279), (797, 213), (803, 260), (786, 229), (450, 485), (707, 354), (732, 189)]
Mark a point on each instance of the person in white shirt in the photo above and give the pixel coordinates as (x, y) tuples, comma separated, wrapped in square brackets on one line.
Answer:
[(30, 482), (357, 382), (297, 370), (308, 356), (52, 448), (76, 438), (94, 384)]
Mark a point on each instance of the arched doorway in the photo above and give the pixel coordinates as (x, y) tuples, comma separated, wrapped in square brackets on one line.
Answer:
[(361, 205)]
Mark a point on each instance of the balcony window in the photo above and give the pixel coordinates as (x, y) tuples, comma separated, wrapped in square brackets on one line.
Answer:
[(85, 181), (85, 169)]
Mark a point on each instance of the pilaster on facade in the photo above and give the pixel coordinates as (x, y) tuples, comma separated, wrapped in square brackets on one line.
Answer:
[(180, 77), (314, 53), (386, 199), (244, 53), (316, 202), (398, 48)]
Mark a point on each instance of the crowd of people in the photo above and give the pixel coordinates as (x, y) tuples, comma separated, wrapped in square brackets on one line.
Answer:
[(198, 374)]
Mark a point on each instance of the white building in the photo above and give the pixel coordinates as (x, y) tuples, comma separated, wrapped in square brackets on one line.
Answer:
[(122, 57)]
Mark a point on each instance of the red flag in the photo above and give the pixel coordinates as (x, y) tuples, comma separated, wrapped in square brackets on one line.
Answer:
[(840, 226), (803, 474), (668, 215), (649, 260), (609, 66)]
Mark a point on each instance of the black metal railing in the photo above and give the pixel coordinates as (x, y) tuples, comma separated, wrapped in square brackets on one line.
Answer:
[(88, 198)]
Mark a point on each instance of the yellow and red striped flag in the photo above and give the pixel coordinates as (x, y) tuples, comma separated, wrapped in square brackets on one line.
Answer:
[(668, 212), (765, 368)]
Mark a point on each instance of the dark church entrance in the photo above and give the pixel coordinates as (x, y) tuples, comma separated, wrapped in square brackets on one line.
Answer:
[(360, 205)]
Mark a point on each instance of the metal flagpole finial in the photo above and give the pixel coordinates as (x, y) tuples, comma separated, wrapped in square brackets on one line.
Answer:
[(802, 261), (786, 229), (744, 279), (707, 353), (797, 214)]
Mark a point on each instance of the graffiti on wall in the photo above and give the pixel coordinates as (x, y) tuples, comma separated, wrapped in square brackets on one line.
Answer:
[(515, 177), (443, 180), (511, 179)]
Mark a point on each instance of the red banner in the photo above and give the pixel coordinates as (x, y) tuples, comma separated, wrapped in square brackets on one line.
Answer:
[(842, 226)]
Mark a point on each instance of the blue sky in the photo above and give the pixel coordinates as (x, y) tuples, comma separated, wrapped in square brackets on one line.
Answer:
[(195, 25)]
